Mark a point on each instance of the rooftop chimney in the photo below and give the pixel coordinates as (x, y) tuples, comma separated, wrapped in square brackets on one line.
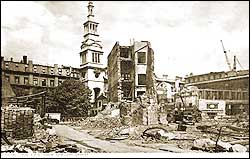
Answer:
[(25, 59), (11, 59)]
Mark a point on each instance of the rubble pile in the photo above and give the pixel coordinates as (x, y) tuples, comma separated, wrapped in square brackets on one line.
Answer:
[(230, 136), (99, 123), (204, 136), (44, 140), (123, 132)]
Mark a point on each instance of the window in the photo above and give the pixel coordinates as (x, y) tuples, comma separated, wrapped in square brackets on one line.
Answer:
[(125, 76), (51, 71), (16, 80), (84, 59), (60, 71), (142, 79), (93, 57), (7, 77), (26, 68), (141, 57), (59, 82), (52, 83), (43, 70), (68, 73), (126, 93), (26, 80), (35, 81), (7, 65), (124, 52), (35, 69), (83, 74), (44, 82), (96, 57)]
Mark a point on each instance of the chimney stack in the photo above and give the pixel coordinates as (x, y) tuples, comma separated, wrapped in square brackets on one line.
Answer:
[(25, 59)]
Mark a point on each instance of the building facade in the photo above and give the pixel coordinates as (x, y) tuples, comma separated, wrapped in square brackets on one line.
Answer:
[(127, 71), (231, 87), (28, 77)]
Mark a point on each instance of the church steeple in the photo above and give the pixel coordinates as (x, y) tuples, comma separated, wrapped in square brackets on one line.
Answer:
[(92, 68), (91, 48)]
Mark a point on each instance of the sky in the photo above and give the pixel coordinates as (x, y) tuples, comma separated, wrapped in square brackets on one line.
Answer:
[(184, 35)]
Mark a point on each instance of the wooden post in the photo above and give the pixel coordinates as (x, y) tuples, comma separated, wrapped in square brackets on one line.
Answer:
[(218, 139), (43, 106)]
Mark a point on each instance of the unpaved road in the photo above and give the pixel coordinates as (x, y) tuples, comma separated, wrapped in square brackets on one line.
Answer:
[(97, 144)]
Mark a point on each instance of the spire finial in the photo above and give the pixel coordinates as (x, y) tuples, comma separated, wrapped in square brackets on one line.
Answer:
[(90, 9)]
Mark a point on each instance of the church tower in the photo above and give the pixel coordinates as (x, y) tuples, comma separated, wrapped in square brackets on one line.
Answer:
[(91, 56)]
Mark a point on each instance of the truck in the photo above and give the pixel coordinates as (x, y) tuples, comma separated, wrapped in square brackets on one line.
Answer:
[(53, 118)]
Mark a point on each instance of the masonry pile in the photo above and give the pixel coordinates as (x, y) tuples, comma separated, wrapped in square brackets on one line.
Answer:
[(17, 122)]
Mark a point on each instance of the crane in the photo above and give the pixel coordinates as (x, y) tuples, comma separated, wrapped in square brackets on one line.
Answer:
[(225, 52)]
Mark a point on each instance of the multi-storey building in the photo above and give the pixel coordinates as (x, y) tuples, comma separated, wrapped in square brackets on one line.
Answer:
[(231, 87), (127, 69), (29, 77)]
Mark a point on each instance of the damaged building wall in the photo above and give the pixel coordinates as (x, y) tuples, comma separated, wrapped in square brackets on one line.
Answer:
[(144, 110), (113, 73), (127, 75), (151, 89), (120, 73)]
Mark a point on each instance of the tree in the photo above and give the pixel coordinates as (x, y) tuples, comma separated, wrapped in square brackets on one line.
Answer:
[(71, 98)]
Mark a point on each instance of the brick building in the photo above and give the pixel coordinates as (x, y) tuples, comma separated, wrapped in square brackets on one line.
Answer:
[(29, 77), (127, 70)]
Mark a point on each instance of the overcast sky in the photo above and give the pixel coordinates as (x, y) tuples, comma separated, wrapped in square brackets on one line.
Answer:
[(185, 36)]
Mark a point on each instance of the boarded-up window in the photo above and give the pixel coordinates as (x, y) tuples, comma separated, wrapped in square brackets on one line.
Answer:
[(141, 57), (142, 79)]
